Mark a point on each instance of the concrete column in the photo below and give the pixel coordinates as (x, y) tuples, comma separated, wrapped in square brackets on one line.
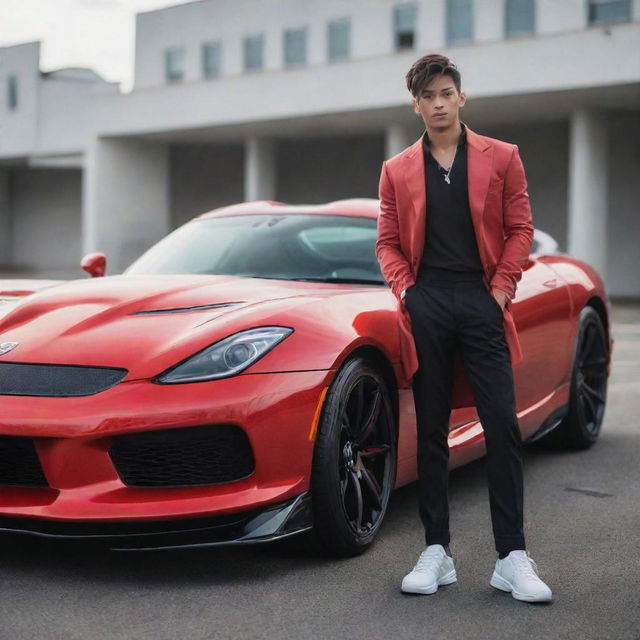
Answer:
[(125, 199), (397, 138), (5, 220), (260, 169), (588, 166)]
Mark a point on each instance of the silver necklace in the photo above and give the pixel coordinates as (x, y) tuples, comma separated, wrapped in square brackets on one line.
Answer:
[(446, 177)]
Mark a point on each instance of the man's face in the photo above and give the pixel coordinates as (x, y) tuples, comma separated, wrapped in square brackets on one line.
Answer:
[(439, 103)]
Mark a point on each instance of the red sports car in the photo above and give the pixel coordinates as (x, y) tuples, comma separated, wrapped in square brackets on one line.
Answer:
[(241, 382)]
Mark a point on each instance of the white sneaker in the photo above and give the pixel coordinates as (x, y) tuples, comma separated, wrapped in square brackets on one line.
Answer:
[(434, 567), (518, 574)]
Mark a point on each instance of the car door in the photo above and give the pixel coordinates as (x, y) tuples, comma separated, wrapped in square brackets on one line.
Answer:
[(542, 314)]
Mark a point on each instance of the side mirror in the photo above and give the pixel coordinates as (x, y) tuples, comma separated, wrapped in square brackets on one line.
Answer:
[(94, 264)]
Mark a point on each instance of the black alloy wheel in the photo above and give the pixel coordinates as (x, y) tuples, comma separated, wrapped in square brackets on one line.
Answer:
[(354, 460), (588, 396)]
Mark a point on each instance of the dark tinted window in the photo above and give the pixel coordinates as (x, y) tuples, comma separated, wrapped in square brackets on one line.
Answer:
[(404, 22), (520, 17), (605, 11)]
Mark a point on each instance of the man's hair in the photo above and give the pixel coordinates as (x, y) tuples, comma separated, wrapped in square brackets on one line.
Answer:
[(425, 69)]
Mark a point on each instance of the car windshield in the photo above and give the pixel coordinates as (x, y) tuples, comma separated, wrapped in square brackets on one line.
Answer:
[(314, 247)]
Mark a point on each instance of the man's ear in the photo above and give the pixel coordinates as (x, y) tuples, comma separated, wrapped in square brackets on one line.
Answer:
[(414, 104), (462, 99)]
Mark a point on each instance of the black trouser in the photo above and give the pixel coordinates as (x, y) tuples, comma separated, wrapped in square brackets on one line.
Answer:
[(452, 311)]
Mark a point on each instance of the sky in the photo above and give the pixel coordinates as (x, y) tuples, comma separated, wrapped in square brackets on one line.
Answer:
[(79, 33)]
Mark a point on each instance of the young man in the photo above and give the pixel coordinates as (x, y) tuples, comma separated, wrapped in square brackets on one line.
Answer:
[(453, 233)]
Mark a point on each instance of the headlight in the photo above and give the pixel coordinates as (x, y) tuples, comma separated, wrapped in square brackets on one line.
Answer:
[(227, 357)]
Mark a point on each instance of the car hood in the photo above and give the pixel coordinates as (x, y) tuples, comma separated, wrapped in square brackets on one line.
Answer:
[(144, 323)]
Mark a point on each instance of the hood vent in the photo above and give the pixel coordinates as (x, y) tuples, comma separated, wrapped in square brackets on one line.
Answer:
[(205, 307)]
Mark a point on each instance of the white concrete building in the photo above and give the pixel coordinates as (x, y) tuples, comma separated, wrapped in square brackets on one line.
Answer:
[(301, 101)]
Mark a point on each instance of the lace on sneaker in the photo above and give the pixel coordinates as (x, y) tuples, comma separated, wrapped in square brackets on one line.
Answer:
[(526, 564), (430, 553)]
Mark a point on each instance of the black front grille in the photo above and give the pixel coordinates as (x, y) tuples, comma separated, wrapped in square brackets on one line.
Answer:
[(56, 380), (186, 457), (19, 464)]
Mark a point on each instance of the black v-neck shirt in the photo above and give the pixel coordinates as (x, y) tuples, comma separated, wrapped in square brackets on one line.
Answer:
[(450, 241)]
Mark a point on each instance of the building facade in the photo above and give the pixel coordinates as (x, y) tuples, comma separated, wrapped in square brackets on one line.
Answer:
[(301, 101)]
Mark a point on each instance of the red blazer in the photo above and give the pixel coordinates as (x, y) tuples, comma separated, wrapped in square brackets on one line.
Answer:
[(501, 217)]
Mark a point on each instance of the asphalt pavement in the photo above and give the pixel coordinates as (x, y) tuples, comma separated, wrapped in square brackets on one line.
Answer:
[(582, 525)]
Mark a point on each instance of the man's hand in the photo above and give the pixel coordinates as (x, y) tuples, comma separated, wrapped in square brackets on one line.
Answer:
[(500, 296)]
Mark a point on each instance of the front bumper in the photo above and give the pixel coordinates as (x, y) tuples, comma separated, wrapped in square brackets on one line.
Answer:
[(255, 526), (73, 438)]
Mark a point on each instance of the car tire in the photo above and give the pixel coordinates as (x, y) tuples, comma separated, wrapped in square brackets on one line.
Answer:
[(580, 427), (354, 461)]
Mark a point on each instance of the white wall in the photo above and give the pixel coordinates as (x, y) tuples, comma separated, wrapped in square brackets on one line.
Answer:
[(18, 128), (488, 20), (54, 114), (192, 24), (66, 114), (557, 16), (557, 63)]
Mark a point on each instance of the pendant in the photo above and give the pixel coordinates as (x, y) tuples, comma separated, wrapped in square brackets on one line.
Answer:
[(446, 179)]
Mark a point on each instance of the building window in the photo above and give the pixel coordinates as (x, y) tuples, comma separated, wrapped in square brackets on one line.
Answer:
[(339, 34), (12, 93), (404, 24), (520, 17), (606, 11), (174, 64), (253, 51), (295, 47), (459, 21), (211, 59)]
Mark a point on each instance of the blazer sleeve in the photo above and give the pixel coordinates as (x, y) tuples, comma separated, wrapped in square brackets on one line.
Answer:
[(517, 226), (393, 263)]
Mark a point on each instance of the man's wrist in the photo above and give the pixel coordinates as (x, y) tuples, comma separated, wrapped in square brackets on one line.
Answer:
[(503, 297)]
